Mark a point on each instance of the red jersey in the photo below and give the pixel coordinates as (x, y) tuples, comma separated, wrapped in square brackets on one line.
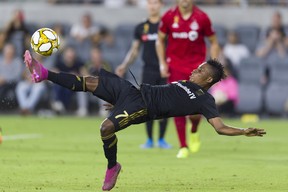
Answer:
[(186, 48)]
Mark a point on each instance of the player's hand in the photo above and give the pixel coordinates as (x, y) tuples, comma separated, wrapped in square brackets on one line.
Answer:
[(120, 70), (164, 71), (108, 106), (250, 132)]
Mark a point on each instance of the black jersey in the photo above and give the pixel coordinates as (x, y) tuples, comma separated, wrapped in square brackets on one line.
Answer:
[(147, 33), (178, 99)]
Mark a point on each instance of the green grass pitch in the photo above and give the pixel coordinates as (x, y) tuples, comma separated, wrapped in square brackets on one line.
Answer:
[(68, 157)]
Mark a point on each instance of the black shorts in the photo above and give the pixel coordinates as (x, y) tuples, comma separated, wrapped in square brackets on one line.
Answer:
[(129, 106)]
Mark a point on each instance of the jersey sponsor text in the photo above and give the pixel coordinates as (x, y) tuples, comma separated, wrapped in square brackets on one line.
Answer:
[(188, 91)]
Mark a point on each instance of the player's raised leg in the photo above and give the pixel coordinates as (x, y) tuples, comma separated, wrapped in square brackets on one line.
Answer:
[(110, 149), (38, 72), (70, 81)]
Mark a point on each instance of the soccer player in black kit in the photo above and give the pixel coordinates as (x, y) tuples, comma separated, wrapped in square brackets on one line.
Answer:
[(134, 106), (146, 34)]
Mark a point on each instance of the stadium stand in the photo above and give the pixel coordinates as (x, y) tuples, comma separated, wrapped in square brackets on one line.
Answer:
[(279, 71), (251, 71), (276, 60), (250, 99), (124, 34), (276, 99), (248, 35), (221, 33)]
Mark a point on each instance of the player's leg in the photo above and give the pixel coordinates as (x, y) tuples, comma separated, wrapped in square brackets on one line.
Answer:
[(162, 130), (130, 109), (148, 77), (153, 77), (149, 131), (163, 122), (180, 122), (194, 138), (73, 82), (109, 139)]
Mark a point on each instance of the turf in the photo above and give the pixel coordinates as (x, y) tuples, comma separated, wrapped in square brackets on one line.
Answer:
[(69, 157)]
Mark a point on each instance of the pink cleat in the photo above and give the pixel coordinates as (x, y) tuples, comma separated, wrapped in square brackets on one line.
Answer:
[(38, 72), (111, 177)]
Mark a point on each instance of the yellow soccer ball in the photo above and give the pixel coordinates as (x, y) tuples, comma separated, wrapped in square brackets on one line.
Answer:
[(45, 41)]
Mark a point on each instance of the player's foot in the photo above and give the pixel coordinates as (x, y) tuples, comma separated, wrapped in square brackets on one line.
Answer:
[(111, 177), (183, 153), (163, 144), (1, 138), (194, 142), (148, 145), (38, 72)]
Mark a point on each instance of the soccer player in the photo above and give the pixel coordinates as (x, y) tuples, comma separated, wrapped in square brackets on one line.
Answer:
[(134, 106), (185, 28), (146, 34)]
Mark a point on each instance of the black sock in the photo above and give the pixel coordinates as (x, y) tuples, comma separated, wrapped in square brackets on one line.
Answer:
[(69, 81), (149, 125), (163, 125), (110, 149)]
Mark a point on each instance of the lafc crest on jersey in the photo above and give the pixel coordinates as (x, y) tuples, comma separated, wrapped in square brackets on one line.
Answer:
[(146, 36), (146, 28)]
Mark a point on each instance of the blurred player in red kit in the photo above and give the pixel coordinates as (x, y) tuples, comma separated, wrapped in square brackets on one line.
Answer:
[(185, 28)]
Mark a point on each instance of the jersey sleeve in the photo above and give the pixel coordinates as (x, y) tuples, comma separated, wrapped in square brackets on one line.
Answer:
[(137, 32), (164, 23), (208, 29), (209, 109)]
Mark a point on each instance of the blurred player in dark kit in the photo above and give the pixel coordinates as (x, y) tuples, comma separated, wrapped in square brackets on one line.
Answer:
[(146, 34)]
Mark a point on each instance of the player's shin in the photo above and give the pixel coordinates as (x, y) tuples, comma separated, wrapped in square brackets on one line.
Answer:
[(69, 81), (110, 149)]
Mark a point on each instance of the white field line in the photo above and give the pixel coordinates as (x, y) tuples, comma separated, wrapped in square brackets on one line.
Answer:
[(21, 137)]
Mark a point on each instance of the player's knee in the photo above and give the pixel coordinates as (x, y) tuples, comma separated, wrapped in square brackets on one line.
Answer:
[(91, 83), (107, 128)]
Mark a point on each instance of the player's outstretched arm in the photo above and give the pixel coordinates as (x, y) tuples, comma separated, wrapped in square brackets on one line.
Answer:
[(223, 129)]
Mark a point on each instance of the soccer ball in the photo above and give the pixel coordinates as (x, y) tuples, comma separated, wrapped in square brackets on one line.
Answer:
[(45, 41)]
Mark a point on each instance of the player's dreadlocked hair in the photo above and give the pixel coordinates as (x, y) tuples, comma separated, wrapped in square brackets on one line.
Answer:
[(217, 70)]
